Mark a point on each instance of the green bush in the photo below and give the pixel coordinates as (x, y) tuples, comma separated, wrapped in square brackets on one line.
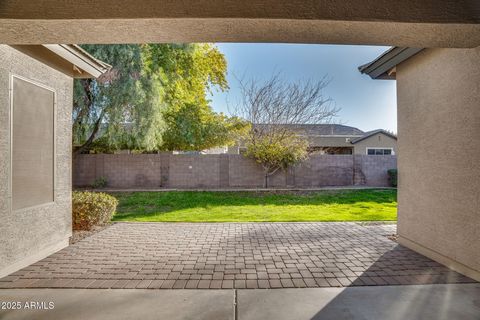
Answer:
[(100, 182), (91, 208), (392, 177)]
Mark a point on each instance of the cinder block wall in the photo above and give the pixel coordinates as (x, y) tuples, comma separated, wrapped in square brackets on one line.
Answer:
[(438, 92), (371, 170), (188, 171), (27, 235), (228, 171), (324, 170)]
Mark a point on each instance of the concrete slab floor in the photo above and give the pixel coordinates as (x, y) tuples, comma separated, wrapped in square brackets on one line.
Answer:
[(415, 302), (108, 304), (422, 302)]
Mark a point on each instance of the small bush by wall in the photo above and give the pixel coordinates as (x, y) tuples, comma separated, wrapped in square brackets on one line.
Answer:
[(100, 182), (91, 208), (392, 177)]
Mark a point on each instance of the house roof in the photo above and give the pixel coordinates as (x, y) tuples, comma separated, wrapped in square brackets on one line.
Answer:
[(329, 130), (323, 129), (383, 67), (67, 58), (371, 133)]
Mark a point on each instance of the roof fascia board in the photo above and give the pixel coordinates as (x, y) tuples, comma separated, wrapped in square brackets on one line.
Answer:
[(378, 68), (332, 135), (83, 62), (372, 134)]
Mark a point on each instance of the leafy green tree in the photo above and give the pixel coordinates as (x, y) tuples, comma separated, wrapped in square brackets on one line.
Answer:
[(194, 127), (188, 71), (107, 99), (125, 107)]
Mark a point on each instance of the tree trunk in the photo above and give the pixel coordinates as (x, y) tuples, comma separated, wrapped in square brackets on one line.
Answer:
[(88, 143), (268, 173)]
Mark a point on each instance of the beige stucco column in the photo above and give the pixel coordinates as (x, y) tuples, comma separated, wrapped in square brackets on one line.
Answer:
[(439, 156)]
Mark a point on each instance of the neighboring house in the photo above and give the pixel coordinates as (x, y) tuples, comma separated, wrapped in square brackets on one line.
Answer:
[(376, 142), (341, 139), (322, 139), (216, 150)]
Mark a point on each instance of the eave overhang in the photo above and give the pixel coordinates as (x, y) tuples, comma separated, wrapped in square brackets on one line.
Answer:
[(67, 58), (384, 67)]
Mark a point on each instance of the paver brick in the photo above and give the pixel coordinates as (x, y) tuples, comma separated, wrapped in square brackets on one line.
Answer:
[(216, 284), (239, 284), (227, 284), (191, 284), (252, 284), (203, 284), (155, 284), (233, 255), (299, 283)]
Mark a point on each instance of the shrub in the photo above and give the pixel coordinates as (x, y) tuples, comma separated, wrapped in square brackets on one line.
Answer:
[(91, 208), (100, 182), (392, 177)]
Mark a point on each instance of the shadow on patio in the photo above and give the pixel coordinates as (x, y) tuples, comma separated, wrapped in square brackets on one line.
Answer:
[(428, 292)]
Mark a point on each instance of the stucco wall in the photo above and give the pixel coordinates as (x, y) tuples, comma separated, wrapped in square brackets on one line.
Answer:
[(439, 156), (29, 234), (378, 140)]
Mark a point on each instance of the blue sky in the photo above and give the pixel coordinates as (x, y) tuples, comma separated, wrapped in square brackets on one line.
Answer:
[(365, 103)]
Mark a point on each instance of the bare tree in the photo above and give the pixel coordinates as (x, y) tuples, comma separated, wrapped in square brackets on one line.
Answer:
[(276, 110)]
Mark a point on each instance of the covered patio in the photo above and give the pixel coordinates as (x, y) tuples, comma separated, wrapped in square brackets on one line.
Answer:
[(438, 181)]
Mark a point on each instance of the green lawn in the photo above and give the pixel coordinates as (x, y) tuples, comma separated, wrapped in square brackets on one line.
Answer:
[(194, 206)]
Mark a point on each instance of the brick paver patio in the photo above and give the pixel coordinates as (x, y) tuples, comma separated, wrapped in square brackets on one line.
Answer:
[(233, 255)]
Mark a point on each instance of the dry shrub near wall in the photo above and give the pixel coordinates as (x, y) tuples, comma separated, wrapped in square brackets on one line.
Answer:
[(91, 208)]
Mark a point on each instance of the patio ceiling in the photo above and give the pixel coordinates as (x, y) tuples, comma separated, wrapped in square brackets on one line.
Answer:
[(430, 23)]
